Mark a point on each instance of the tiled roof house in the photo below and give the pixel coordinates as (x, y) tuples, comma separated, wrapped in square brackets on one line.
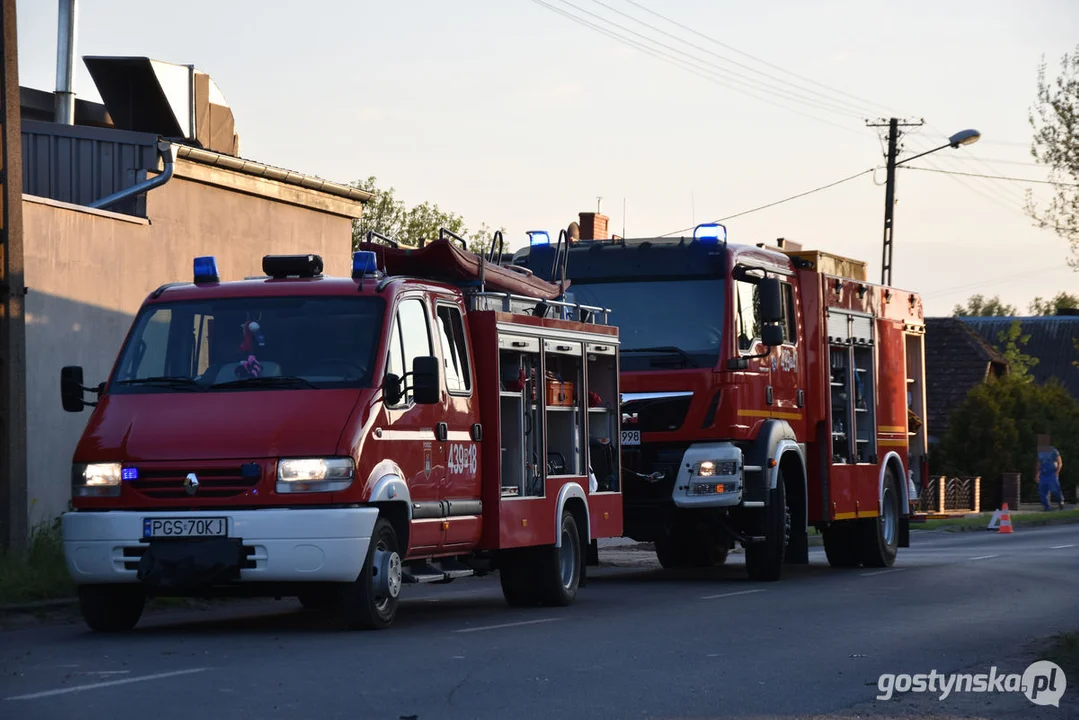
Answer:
[(956, 359)]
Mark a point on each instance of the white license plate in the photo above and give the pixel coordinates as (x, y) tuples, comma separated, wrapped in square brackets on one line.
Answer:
[(185, 527), (631, 437)]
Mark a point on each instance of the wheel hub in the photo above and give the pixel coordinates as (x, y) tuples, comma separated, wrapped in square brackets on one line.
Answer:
[(889, 517), (388, 573), (565, 559)]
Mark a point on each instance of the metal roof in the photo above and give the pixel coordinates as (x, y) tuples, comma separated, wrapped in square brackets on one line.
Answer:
[(1052, 341)]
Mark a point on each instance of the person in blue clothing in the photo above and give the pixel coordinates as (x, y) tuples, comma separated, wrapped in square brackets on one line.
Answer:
[(1048, 472)]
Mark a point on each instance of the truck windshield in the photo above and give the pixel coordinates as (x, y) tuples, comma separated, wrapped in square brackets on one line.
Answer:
[(662, 323), (251, 343)]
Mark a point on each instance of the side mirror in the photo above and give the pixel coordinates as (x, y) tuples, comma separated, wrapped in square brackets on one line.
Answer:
[(771, 300), (772, 335), (426, 380), (391, 389), (71, 388)]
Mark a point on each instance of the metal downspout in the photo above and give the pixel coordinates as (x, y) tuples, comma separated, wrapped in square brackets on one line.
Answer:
[(168, 154), (67, 22)]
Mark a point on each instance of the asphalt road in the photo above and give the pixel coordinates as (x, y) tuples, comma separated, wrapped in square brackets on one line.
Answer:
[(639, 643)]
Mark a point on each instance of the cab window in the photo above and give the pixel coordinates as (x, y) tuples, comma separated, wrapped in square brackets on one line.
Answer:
[(747, 320), (409, 339), (790, 326), (451, 334)]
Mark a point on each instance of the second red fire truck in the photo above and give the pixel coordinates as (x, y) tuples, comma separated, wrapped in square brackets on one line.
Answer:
[(766, 391), (432, 417)]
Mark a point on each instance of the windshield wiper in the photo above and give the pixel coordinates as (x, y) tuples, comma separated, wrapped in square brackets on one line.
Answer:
[(268, 380), (666, 349), (174, 381)]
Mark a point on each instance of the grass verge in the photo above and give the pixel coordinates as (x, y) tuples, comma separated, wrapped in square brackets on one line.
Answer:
[(40, 573), (981, 522), (1064, 651)]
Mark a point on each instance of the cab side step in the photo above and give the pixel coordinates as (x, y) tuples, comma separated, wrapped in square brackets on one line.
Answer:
[(435, 571)]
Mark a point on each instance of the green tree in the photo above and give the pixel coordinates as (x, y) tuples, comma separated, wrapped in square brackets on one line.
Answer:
[(1053, 306), (979, 306), (1010, 344), (411, 226), (994, 430), (1055, 119)]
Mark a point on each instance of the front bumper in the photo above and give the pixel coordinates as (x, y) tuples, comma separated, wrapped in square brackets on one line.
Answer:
[(279, 545)]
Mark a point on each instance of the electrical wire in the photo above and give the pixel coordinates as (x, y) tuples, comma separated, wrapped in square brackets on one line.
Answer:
[(989, 177), (729, 75), (867, 103), (942, 292), (678, 62), (778, 202), (840, 106)]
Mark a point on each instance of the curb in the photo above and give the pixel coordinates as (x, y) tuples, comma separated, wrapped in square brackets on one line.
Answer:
[(39, 605)]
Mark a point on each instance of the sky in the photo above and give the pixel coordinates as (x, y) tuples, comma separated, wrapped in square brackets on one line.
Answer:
[(513, 115)]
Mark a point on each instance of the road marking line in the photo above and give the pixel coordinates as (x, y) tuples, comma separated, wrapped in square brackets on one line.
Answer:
[(743, 592), (1061, 547), (110, 683), (984, 557), (506, 625), (883, 572)]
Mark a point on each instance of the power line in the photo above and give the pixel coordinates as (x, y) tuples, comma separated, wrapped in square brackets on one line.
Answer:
[(942, 292), (678, 62), (731, 76), (990, 177), (867, 103), (778, 202), (840, 106)]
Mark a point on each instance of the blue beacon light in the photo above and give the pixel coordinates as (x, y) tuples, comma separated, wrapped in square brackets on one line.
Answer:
[(206, 269), (538, 237), (364, 263), (710, 233)]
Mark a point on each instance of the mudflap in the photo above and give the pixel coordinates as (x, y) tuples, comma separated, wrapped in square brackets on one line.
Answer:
[(797, 550), (182, 565), (904, 532)]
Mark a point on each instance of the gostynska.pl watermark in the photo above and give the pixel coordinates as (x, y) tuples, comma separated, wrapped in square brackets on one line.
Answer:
[(1043, 683)]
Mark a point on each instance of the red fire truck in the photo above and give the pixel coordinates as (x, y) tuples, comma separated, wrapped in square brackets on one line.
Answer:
[(432, 417), (765, 391)]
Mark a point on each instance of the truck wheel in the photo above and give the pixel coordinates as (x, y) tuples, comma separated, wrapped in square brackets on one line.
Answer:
[(370, 603), (839, 545), (880, 536), (560, 567), (111, 608), (764, 560), (672, 550), (520, 585)]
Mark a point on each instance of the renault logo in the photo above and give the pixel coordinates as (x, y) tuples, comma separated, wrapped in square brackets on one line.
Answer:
[(191, 484)]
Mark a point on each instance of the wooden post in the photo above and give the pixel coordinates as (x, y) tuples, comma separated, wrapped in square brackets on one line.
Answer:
[(13, 501), (978, 494), (942, 494)]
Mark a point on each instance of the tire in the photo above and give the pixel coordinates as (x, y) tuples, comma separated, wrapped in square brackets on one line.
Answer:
[(111, 608), (560, 567), (880, 535), (764, 560), (840, 546), (370, 603), (672, 550), (520, 585)]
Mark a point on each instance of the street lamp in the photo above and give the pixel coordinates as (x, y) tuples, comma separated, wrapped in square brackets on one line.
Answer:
[(963, 137)]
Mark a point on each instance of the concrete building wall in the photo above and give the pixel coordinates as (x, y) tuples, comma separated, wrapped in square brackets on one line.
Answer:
[(88, 272)]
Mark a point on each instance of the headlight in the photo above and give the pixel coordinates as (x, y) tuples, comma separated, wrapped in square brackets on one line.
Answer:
[(314, 475), (95, 480), (711, 468)]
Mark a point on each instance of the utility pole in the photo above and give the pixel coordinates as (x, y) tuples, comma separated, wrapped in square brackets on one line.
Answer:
[(13, 505), (893, 125)]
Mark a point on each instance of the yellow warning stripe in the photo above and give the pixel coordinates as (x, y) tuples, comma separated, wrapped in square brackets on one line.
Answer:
[(854, 515), (891, 428), (771, 414), (884, 442)]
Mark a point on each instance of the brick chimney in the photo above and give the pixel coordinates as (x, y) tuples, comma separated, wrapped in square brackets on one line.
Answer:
[(593, 226)]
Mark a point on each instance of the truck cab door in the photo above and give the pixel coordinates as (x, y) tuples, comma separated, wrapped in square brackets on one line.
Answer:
[(787, 371), (459, 427)]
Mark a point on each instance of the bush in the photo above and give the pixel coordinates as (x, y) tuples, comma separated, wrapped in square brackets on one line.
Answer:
[(38, 574), (994, 431)]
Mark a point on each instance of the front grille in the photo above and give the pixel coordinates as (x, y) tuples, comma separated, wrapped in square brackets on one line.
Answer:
[(213, 482), (132, 555)]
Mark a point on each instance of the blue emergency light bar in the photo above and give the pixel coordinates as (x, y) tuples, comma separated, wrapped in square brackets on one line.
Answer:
[(538, 237), (364, 262), (710, 233), (206, 269)]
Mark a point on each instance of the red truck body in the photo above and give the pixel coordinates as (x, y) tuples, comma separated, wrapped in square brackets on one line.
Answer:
[(328, 474), (810, 429)]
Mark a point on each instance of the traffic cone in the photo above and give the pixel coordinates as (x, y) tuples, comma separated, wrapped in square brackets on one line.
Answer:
[(1005, 521)]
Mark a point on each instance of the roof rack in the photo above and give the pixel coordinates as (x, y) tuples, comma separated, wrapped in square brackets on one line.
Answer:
[(537, 307)]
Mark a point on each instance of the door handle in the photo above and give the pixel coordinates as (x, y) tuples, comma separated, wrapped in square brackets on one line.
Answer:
[(442, 432), (768, 395)]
